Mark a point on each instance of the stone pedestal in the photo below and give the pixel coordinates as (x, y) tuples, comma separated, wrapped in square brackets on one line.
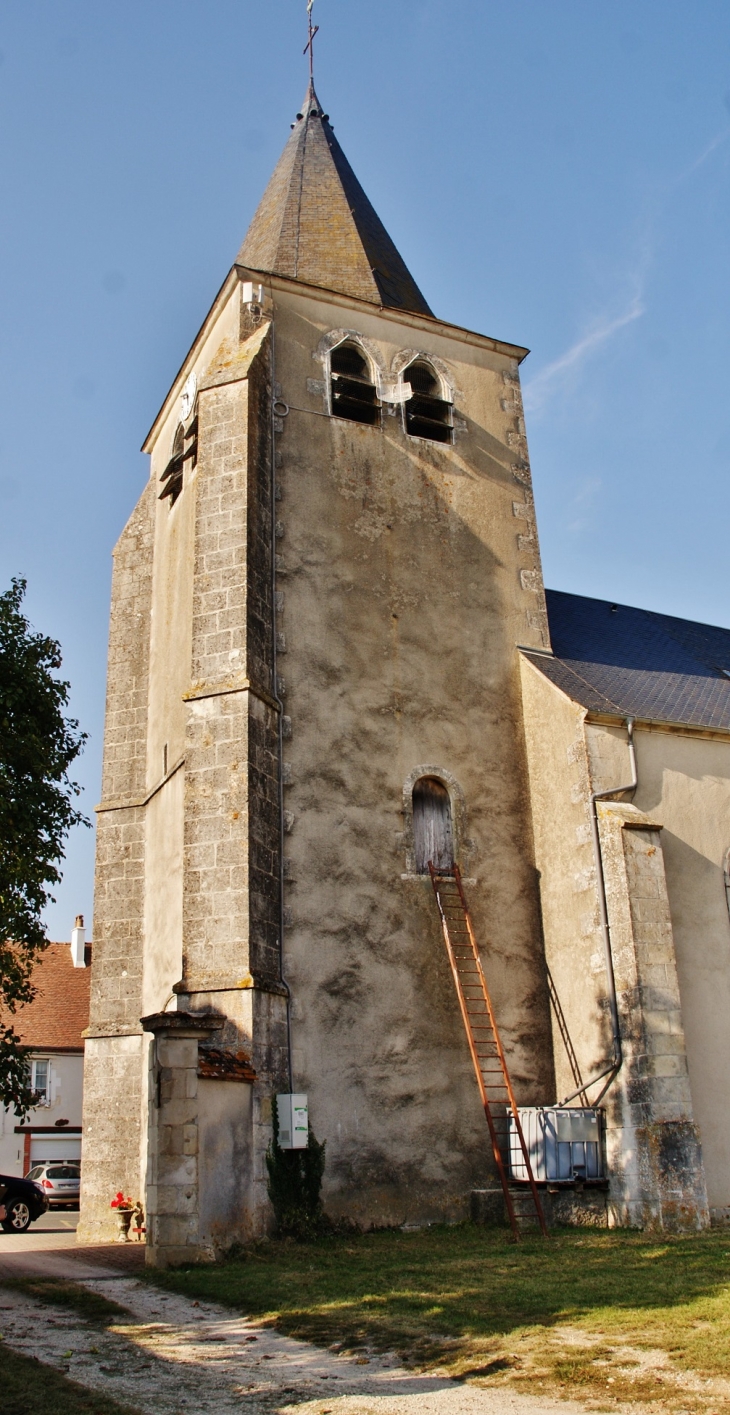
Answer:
[(173, 1180)]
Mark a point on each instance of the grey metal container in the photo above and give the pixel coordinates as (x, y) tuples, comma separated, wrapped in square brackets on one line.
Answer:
[(564, 1143)]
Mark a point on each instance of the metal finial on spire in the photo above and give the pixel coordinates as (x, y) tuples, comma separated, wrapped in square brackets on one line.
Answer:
[(313, 29)]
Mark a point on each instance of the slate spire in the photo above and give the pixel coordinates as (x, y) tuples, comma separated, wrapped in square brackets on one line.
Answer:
[(315, 223)]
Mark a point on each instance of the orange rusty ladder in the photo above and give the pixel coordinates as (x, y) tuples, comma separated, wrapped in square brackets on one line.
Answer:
[(495, 1087)]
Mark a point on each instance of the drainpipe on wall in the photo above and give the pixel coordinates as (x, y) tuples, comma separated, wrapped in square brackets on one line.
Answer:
[(610, 1072), (277, 699)]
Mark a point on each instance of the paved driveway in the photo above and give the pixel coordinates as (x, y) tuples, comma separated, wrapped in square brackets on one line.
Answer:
[(49, 1249)]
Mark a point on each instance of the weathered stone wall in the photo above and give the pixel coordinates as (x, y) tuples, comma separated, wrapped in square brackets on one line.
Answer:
[(405, 577), (200, 1171), (226, 1164), (232, 865), (406, 572), (560, 803), (173, 1199), (655, 1160), (653, 1143), (231, 891), (113, 1069), (684, 781)]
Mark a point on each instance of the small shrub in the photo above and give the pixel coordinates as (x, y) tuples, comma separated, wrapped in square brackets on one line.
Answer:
[(295, 1184)]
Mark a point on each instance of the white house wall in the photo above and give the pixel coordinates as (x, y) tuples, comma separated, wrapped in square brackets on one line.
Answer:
[(67, 1079)]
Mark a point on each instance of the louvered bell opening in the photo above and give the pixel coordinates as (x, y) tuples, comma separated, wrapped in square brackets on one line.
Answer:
[(173, 480), (184, 449), (353, 395), (191, 444), (427, 413)]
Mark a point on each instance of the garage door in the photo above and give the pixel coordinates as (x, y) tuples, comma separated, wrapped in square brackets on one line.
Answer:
[(44, 1148)]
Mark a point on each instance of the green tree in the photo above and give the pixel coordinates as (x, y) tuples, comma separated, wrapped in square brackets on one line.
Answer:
[(37, 746)]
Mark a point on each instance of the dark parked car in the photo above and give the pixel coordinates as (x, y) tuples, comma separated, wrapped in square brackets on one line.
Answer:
[(23, 1202)]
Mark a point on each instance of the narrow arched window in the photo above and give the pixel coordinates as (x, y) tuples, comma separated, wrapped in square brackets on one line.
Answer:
[(427, 413), (354, 395), (433, 835)]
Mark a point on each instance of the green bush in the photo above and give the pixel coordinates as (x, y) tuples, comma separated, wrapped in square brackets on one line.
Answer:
[(295, 1184)]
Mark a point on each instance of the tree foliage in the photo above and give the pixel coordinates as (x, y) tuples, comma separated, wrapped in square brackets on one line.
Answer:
[(37, 810), (295, 1184)]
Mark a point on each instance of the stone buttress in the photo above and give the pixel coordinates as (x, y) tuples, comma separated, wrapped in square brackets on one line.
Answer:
[(115, 1051), (201, 835)]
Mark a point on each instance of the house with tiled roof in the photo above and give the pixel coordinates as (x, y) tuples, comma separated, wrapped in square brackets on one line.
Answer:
[(52, 1027)]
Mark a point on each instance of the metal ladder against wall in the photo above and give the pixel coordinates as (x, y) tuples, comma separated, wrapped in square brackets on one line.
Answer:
[(522, 1200)]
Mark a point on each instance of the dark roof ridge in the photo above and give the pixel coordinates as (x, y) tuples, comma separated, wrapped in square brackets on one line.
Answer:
[(636, 609)]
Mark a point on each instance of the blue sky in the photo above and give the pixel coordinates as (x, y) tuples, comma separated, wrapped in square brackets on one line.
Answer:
[(553, 171)]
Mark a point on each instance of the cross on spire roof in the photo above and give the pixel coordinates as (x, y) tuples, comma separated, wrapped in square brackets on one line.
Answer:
[(310, 43)]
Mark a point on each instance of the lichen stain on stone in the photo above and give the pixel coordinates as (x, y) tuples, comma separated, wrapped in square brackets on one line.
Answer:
[(392, 488)]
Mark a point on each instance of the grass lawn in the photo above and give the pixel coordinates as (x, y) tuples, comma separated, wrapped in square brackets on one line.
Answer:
[(603, 1316)]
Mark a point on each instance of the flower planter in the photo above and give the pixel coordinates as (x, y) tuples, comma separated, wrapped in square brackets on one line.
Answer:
[(124, 1218)]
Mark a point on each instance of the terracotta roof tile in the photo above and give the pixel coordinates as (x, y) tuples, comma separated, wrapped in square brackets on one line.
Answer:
[(58, 1014), (316, 224), (220, 1065)]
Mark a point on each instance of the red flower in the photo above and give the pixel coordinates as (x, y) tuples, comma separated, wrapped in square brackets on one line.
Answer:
[(120, 1202)]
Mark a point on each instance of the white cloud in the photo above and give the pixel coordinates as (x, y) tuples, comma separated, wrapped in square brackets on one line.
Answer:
[(538, 390), (717, 141), (565, 370)]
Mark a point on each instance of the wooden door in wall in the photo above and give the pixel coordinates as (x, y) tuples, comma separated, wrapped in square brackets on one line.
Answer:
[(433, 834)]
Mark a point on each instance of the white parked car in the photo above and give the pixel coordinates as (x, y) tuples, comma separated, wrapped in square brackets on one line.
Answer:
[(61, 1183)]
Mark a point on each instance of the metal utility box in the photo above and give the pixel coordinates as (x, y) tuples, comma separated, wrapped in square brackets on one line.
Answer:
[(293, 1117), (565, 1144)]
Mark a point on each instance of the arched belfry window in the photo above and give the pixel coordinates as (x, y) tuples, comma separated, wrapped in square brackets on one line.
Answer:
[(184, 449), (433, 834), (354, 395), (428, 414)]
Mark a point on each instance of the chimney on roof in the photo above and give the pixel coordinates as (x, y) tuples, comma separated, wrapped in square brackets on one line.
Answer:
[(78, 943)]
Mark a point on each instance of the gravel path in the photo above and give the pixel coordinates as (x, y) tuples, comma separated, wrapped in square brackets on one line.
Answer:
[(175, 1356)]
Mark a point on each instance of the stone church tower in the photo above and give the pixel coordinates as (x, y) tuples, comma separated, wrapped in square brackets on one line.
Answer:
[(315, 613)]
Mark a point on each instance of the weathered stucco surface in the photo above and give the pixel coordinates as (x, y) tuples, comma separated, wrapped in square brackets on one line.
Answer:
[(560, 799), (406, 572), (665, 1142), (653, 1143), (684, 781), (403, 588), (327, 612)]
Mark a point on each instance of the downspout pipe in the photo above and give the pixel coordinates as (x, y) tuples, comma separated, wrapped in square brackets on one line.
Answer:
[(611, 1071), (278, 701)]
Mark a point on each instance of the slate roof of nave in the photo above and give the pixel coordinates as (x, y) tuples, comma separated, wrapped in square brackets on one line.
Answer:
[(616, 660), (315, 223)]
